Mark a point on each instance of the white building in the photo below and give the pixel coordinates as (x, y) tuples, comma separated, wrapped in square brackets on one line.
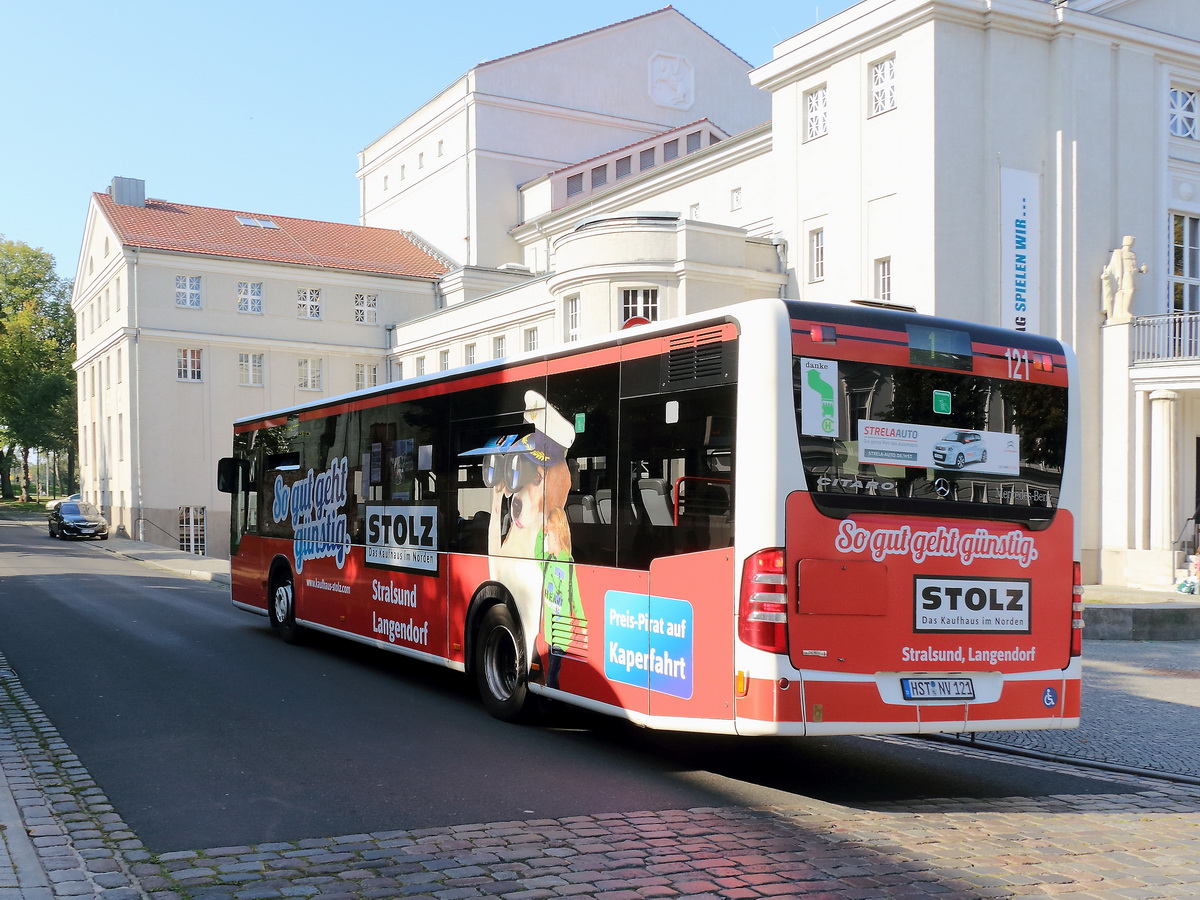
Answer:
[(454, 164), (957, 156), (948, 131)]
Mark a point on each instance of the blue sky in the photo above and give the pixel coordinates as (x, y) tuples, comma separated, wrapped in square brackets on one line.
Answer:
[(262, 105)]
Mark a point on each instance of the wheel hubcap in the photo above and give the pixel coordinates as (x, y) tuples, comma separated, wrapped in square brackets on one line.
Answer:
[(283, 602), (500, 663)]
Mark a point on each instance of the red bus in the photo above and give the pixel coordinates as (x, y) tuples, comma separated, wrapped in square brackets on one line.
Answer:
[(776, 518)]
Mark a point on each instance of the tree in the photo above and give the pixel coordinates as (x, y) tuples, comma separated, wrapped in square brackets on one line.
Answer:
[(37, 336), (27, 276)]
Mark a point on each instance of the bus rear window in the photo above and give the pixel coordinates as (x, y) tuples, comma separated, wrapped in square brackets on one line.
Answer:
[(891, 438)]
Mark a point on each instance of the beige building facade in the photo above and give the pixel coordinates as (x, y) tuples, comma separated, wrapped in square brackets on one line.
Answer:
[(189, 317)]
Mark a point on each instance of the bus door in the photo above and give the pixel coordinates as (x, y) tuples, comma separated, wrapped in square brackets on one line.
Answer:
[(677, 467)]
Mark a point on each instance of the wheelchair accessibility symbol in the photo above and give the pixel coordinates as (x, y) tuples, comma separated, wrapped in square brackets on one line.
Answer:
[(1050, 698)]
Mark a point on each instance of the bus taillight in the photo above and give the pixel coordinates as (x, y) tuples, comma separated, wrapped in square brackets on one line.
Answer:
[(1077, 612), (762, 612)]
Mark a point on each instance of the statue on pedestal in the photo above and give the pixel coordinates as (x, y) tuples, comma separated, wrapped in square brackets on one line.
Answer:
[(1117, 282)]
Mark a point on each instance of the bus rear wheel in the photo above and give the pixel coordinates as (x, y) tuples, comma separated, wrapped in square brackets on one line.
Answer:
[(500, 665), (282, 608)]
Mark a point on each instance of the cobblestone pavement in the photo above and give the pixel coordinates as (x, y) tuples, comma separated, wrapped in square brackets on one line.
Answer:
[(1139, 844), (1141, 710)]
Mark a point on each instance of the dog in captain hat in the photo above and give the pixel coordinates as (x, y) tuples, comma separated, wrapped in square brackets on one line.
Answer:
[(530, 478)]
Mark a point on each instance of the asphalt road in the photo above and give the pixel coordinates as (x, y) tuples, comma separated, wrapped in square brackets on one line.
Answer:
[(204, 729)]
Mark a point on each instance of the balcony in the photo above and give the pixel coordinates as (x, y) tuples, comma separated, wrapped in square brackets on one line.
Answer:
[(1174, 337)]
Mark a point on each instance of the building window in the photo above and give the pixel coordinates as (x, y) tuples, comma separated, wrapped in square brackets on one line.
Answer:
[(469, 354), (1183, 114), (646, 159), (670, 150), (191, 529), (883, 86), (308, 374), (883, 278), (187, 291), (420, 160), (366, 309), (499, 348), (399, 370), (693, 142), (366, 375), (187, 366), (639, 303), (816, 113), (308, 303), (735, 199), (816, 255), (250, 297), (250, 369), (694, 211), (1184, 280), (574, 184), (572, 318), (420, 366), (624, 166), (599, 176), (441, 147), (443, 360), (531, 339)]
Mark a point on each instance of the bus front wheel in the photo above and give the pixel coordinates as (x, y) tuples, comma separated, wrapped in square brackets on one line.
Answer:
[(500, 665), (282, 608)]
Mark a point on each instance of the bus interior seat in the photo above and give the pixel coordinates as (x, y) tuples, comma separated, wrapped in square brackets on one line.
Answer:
[(473, 532), (581, 508), (604, 506), (655, 500)]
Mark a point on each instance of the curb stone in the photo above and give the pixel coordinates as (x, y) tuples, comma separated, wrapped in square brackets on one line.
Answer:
[(74, 844)]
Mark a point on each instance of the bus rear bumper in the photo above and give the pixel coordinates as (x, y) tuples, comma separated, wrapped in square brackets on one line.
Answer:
[(827, 703)]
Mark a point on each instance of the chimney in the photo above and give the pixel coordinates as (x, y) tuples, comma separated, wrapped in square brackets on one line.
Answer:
[(128, 191)]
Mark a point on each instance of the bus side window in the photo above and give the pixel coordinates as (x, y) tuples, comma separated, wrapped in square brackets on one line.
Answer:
[(584, 398), (676, 459)]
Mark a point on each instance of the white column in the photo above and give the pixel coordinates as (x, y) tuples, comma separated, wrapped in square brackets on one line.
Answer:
[(1163, 518), (1140, 488)]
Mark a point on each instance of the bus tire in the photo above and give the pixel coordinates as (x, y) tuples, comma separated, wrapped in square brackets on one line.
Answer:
[(500, 670), (281, 605)]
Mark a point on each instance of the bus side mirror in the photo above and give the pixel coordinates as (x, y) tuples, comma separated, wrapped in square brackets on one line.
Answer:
[(232, 474)]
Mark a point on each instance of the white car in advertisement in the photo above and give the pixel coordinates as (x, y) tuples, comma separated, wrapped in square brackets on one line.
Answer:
[(958, 448)]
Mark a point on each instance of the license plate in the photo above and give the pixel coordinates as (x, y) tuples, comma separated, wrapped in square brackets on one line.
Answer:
[(924, 689)]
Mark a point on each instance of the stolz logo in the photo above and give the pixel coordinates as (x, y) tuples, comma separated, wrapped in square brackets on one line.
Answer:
[(402, 537), (988, 605)]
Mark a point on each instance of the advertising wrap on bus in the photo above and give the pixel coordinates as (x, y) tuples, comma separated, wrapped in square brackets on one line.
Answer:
[(600, 526)]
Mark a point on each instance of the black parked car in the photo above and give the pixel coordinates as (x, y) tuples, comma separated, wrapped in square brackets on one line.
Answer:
[(77, 518)]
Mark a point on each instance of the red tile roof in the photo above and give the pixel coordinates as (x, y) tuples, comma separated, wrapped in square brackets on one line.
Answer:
[(160, 225)]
